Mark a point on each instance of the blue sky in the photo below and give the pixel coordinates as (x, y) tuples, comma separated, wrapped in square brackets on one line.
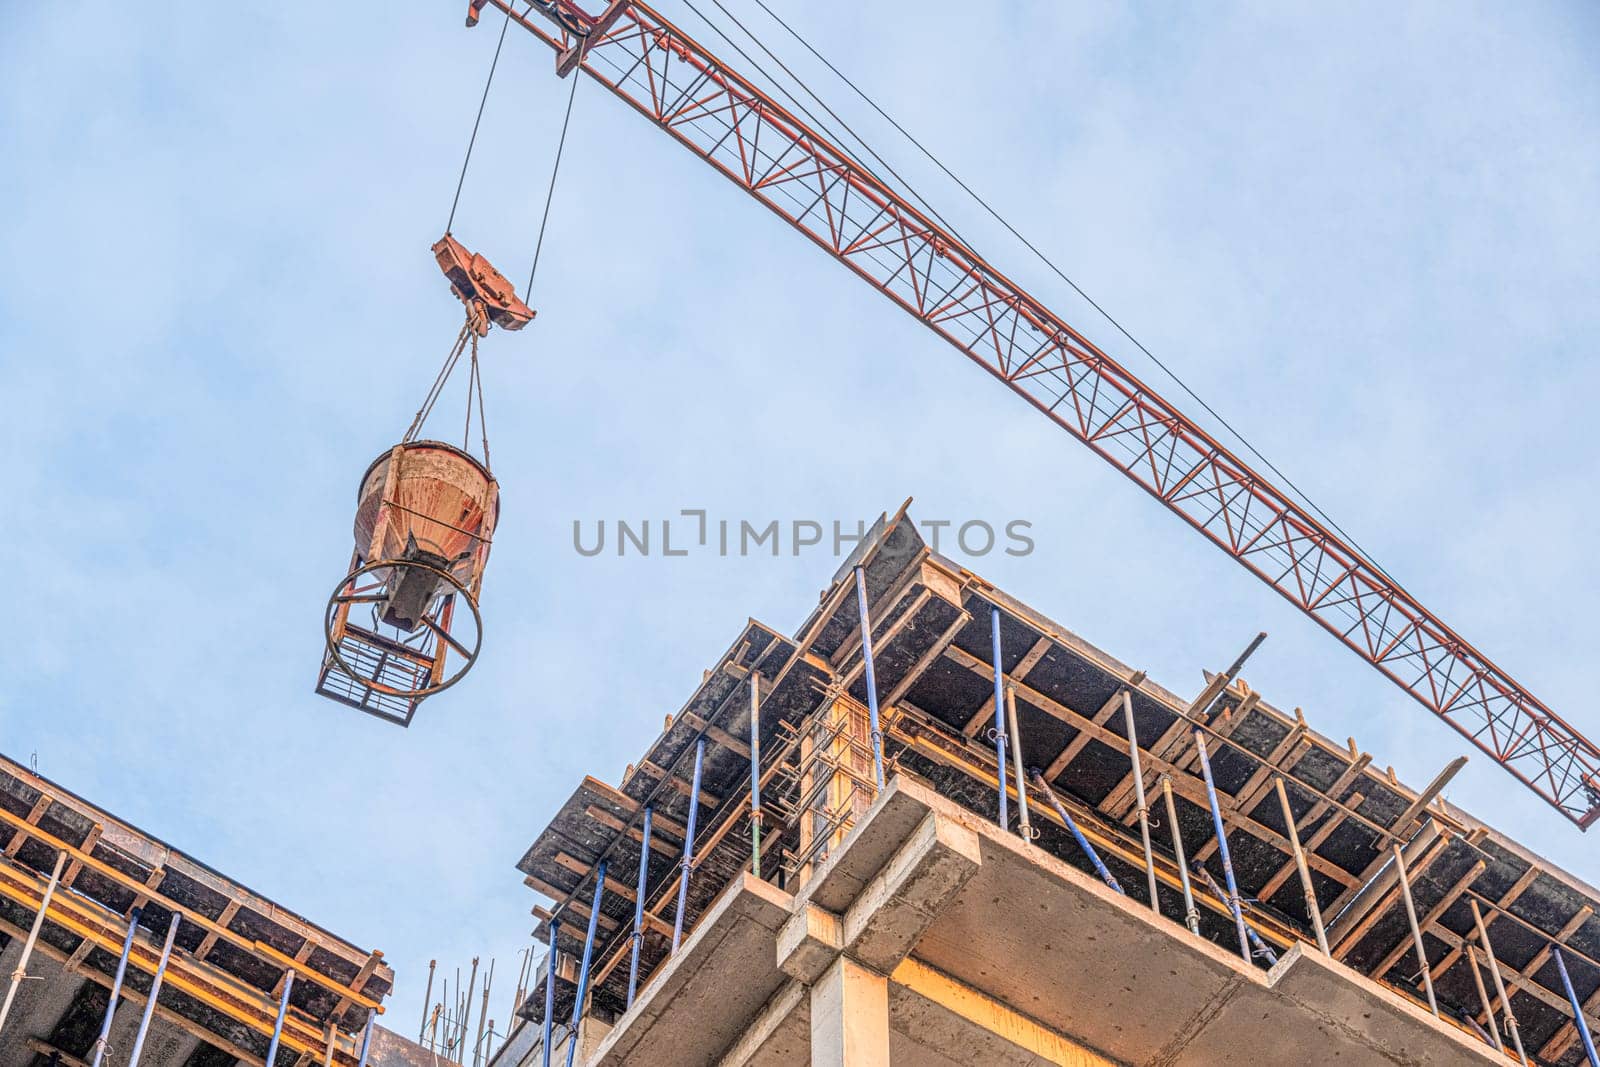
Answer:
[(1367, 237)]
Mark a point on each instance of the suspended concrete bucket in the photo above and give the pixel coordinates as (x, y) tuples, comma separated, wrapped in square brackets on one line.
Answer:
[(425, 517)]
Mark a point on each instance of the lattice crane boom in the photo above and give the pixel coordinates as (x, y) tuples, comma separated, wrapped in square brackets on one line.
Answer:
[(872, 229)]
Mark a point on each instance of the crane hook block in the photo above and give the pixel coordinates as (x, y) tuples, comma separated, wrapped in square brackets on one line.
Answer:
[(486, 293)]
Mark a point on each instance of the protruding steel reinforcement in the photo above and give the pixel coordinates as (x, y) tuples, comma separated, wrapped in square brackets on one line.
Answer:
[(999, 712), (588, 949), (688, 843), (100, 1043), (427, 998), (872, 684), (638, 907), (1083, 842)]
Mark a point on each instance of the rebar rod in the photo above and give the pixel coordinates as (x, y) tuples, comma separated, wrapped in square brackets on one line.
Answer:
[(688, 844), (588, 943), (872, 681), (1083, 842), (1578, 1020), (100, 1045), (1416, 931), (999, 711), (33, 937), (1222, 844), (155, 991), (1016, 758), (1499, 983), (1306, 887), (483, 1012), (1191, 916), (464, 1013), (1139, 799)]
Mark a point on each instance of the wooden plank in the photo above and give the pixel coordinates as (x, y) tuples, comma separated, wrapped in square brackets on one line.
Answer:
[(1451, 895), (1080, 742), (35, 813)]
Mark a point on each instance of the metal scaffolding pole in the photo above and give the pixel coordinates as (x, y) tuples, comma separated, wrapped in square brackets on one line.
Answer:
[(872, 681), (100, 1045), (1191, 917), (277, 1027), (1083, 842), (1306, 887), (755, 773), (1499, 983), (1016, 758), (1139, 798), (638, 907), (588, 951), (33, 937), (999, 711), (1416, 931), (1232, 895), (550, 989), (1578, 1020), (155, 991), (688, 843)]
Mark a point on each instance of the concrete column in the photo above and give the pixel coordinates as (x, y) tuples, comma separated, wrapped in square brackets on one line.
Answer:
[(850, 1017)]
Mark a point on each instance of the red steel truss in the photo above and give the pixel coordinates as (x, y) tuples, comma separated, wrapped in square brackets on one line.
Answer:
[(869, 227)]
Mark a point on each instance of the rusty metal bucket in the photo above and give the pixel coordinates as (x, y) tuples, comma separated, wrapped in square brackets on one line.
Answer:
[(441, 500)]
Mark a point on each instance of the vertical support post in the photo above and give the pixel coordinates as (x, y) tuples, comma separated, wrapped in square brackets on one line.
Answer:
[(1499, 983), (755, 773), (427, 998), (1416, 931), (588, 950), (1483, 998), (116, 989), (1222, 845), (155, 991), (1191, 917), (999, 712), (1139, 799), (1083, 842), (688, 845), (366, 1038), (465, 1015), (1577, 1009), (33, 936), (1309, 891), (638, 908), (1261, 948), (277, 1027), (872, 680), (550, 988), (1016, 759)]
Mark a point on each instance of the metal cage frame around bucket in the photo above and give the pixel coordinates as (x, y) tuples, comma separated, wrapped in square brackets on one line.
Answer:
[(388, 666)]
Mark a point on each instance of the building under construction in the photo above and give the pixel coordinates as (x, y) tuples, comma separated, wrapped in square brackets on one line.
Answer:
[(757, 891)]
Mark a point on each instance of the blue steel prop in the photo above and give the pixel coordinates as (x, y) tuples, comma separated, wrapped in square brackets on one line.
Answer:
[(1577, 1009), (550, 988), (999, 710), (872, 681), (588, 953), (155, 991), (1232, 896), (688, 843), (277, 1027), (755, 774), (100, 1045), (1083, 842), (638, 908), (366, 1038)]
